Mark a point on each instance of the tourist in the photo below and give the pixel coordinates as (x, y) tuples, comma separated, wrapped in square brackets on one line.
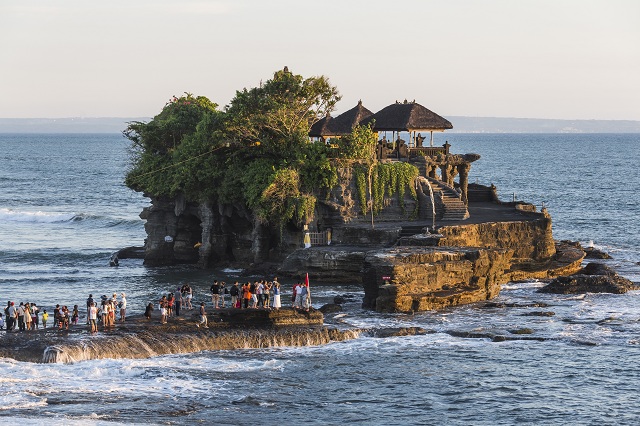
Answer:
[(297, 304), (189, 296), (123, 307), (254, 297), (293, 295), (179, 301), (163, 310), (170, 302), (64, 318), (267, 295), (45, 317), (203, 316), (147, 312), (259, 294), (235, 292), (104, 309), (92, 317), (276, 295), (34, 316), (89, 302), (56, 316), (20, 315), (112, 309), (1, 322), (27, 316), (223, 291), (75, 315), (9, 313), (246, 294), (215, 293)]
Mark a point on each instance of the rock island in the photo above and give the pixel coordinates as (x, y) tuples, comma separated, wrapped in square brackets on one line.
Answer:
[(273, 182)]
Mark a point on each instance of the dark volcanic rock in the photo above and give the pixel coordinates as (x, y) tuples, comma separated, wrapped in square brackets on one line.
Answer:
[(401, 331), (594, 253), (539, 314), (593, 278), (330, 308)]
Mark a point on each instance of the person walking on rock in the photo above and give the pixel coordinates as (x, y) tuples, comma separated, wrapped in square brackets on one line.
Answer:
[(203, 316)]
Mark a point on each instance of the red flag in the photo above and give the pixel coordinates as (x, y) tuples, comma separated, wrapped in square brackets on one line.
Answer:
[(306, 280)]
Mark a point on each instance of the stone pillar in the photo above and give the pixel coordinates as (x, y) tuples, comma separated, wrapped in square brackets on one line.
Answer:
[(444, 172), (431, 171), (463, 169)]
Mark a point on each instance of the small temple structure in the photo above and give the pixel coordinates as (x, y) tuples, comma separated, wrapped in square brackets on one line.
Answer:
[(438, 168)]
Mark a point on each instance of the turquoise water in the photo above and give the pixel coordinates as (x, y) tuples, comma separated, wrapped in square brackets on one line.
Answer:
[(64, 210)]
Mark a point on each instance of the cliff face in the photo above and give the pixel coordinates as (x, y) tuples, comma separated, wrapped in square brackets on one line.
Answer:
[(417, 279), (207, 233), (528, 239)]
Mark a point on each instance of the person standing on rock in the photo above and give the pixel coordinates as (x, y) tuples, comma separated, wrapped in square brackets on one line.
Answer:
[(179, 301), (260, 294), (302, 300), (276, 295), (203, 316), (293, 295), (246, 294), (235, 292), (123, 307), (89, 302), (189, 296), (215, 294), (223, 290), (92, 315), (267, 295)]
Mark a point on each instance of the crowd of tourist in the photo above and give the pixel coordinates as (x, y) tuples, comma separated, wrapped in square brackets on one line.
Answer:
[(260, 294)]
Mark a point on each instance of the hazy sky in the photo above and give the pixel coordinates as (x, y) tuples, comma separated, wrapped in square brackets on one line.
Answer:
[(505, 58)]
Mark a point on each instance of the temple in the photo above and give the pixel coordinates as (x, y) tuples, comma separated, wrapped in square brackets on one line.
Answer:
[(438, 168)]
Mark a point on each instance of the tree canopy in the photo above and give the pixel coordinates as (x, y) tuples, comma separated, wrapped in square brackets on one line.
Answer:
[(255, 151)]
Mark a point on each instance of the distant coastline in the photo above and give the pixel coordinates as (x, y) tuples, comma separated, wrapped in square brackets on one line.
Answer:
[(460, 125)]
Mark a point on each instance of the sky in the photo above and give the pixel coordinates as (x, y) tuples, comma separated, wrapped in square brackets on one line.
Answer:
[(560, 59)]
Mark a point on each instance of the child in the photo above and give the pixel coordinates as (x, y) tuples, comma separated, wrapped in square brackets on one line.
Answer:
[(1, 322), (45, 317), (163, 311)]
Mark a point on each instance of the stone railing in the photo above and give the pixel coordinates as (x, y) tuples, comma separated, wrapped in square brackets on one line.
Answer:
[(428, 151)]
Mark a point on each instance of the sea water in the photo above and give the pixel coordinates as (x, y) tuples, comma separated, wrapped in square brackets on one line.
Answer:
[(64, 210)]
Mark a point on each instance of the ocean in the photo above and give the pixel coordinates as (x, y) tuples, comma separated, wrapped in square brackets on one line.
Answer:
[(64, 210)]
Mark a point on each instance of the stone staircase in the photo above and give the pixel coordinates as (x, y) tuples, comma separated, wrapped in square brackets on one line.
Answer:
[(451, 205)]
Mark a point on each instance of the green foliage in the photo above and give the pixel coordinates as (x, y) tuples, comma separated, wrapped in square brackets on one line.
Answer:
[(282, 201), (279, 113), (360, 144), (317, 172), (170, 153), (386, 180)]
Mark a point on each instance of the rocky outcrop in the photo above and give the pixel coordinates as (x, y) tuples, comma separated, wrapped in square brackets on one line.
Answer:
[(531, 239), (417, 279), (593, 278), (326, 263)]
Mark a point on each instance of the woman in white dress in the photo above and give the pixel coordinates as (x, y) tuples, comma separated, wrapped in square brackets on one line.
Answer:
[(276, 295)]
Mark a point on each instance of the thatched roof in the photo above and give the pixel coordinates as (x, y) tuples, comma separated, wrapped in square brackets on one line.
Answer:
[(345, 122), (322, 127), (340, 125), (407, 116)]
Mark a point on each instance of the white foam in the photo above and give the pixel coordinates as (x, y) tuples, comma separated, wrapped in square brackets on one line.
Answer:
[(9, 215), (232, 271)]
